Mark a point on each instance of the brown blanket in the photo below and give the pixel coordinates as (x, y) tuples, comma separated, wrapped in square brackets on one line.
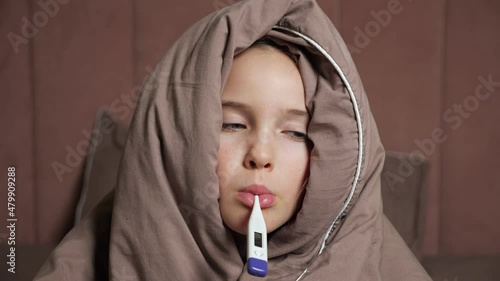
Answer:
[(157, 226)]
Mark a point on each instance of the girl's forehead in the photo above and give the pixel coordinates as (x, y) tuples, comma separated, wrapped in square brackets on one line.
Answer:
[(266, 76), (279, 108)]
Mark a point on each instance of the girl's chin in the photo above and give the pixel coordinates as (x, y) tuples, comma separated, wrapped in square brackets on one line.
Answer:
[(240, 231), (238, 228), (243, 229), (237, 217)]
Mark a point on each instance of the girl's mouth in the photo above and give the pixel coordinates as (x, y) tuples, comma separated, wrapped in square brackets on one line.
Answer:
[(265, 200), (247, 195)]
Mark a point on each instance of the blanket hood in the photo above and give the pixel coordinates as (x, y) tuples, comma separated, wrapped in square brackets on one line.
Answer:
[(164, 220)]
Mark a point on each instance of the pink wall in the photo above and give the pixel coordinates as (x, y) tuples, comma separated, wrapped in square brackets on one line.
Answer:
[(401, 66), (415, 66)]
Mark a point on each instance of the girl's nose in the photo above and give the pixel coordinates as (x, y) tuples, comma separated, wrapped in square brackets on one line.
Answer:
[(260, 156)]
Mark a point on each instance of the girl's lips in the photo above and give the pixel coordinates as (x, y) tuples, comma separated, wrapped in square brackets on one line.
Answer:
[(265, 200)]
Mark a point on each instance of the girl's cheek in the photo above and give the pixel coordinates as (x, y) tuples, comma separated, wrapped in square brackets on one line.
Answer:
[(294, 152), (227, 163), (224, 178)]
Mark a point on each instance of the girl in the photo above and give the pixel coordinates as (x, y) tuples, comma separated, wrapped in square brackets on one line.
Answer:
[(224, 118)]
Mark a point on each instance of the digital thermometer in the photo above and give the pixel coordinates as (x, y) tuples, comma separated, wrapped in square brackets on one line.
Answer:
[(257, 242)]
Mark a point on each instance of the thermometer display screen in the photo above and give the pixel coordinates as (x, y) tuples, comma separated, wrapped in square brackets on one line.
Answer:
[(258, 239)]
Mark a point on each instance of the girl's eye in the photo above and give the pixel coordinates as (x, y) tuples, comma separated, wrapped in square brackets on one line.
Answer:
[(232, 126), (297, 135)]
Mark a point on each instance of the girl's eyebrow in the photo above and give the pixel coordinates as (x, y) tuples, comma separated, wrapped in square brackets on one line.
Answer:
[(235, 104), (285, 112), (296, 113)]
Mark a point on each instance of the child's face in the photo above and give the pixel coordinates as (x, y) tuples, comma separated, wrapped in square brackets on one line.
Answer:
[(262, 142)]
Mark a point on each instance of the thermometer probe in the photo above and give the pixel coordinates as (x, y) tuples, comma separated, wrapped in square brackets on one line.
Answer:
[(257, 241)]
